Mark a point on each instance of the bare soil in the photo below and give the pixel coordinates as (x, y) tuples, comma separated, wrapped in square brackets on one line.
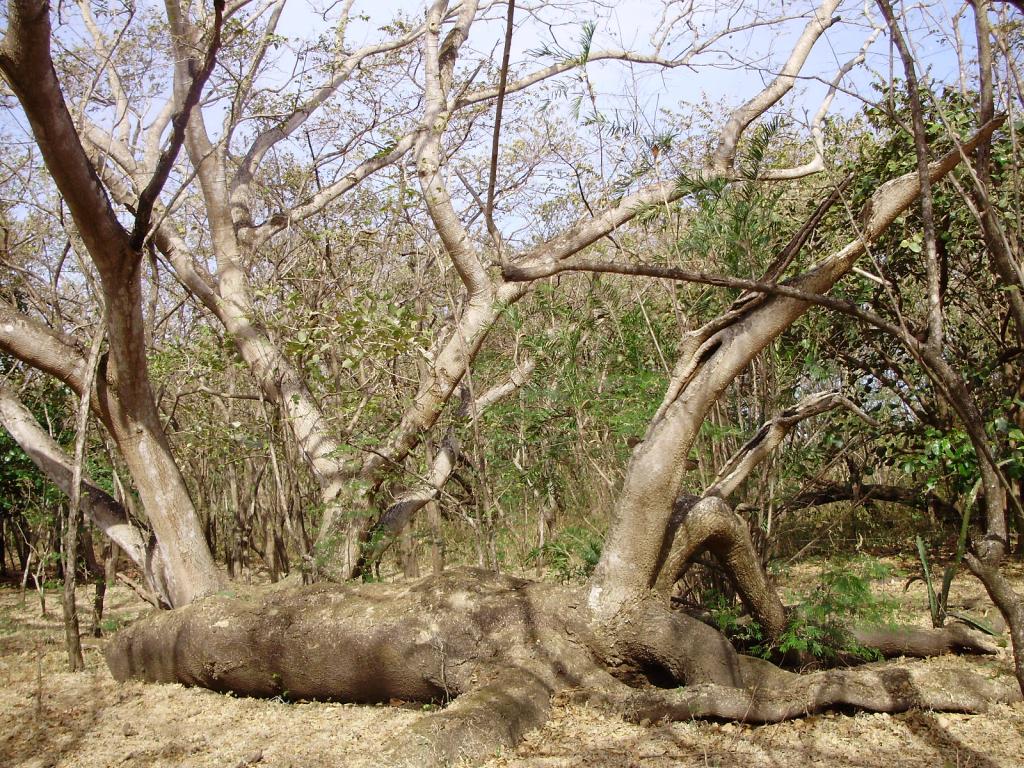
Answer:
[(51, 718)]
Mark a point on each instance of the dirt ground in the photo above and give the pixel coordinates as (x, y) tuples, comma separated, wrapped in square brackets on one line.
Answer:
[(51, 718)]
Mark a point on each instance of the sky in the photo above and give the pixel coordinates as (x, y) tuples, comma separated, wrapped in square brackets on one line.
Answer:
[(631, 23), (744, 63)]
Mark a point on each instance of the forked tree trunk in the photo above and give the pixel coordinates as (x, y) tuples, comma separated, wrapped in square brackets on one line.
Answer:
[(124, 399), (713, 356)]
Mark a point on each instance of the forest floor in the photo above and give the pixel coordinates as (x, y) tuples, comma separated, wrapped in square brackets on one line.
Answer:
[(51, 718)]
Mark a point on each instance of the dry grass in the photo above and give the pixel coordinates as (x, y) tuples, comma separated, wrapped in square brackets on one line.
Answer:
[(49, 717)]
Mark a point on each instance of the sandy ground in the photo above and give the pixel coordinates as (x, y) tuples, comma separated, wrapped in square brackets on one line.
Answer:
[(51, 718)]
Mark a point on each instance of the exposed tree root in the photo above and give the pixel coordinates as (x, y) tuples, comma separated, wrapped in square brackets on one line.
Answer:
[(476, 724), (428, 641), (921, 642), (671, 648), (494, 650), (876, 689), (709, 524)]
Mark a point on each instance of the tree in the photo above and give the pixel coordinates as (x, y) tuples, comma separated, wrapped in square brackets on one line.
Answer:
[(498, 644), (124, 400)]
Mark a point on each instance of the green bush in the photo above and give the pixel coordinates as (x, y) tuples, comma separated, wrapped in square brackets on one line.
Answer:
[(818, 625), (572, 555)]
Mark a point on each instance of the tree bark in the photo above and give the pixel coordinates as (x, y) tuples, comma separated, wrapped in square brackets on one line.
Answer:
[(126, 404)]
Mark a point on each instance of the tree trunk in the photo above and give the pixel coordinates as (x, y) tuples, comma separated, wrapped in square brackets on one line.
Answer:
[(712, 357), (124, 399), (493, 650), (132, 420), (72, 635), (1009, 603)]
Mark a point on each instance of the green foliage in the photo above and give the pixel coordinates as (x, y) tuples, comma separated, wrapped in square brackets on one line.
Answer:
[(818, 625), (112, 624), (729, 620), (572, 555), (597, 381), (756, 151), (372, 325), (28, 500), (944, 458)]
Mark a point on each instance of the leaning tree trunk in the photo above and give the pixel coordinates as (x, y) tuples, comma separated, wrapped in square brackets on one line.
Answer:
[(133, 422), (713, 356), (105, 512)]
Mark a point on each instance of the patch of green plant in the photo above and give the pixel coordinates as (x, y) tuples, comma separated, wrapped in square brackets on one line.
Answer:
[(818, 625), (572, 555), (871, 568), (728, 618), (112, 624)]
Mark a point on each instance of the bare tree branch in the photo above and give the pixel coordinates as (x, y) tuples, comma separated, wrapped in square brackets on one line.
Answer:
[(770, 436), (492, 173), (41, 347), (725, 153), (179, 123), (27, 67), (933, 278)]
